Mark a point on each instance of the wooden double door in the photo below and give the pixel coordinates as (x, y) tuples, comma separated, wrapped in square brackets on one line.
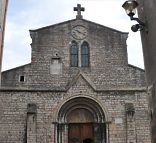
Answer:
[(80, 133)]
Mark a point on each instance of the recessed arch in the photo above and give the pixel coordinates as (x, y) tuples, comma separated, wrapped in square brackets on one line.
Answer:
[(81, 103), (79, 115), (84, 119)]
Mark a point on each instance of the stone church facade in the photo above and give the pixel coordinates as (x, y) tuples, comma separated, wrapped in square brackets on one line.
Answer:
[(78, 88)]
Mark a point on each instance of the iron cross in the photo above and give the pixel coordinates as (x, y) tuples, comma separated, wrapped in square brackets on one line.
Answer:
[(79, 9)]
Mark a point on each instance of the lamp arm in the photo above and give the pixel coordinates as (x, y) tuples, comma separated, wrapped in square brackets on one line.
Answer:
[(138, 20)]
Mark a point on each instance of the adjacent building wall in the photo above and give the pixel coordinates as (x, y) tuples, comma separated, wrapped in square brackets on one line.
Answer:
[(147, 13), (3, 9)]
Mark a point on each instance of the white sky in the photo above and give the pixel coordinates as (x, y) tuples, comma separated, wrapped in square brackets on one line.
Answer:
[(24, 15)]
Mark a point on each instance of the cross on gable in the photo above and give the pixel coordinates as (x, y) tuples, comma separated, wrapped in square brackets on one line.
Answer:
[(79, 9)]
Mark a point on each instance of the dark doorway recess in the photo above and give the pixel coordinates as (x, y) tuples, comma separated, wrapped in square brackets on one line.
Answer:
[(88, 140)]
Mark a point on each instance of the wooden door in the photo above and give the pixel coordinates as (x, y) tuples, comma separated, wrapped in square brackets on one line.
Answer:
[(80, 132)]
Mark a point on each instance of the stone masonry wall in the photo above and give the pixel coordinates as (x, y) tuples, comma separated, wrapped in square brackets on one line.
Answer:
[(108, 59), (107, 52), (13, 112), (109, 81)]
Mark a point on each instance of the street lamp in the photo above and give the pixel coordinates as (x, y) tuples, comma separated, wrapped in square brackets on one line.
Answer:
[(130, 8)]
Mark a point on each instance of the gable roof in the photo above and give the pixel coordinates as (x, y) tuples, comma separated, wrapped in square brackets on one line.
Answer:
[(72, 20)]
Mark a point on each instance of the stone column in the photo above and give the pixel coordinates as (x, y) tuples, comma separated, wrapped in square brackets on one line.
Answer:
[(55, 132), (59, 133), (130, 123), (66, 133), (31, 123), (107, 132)]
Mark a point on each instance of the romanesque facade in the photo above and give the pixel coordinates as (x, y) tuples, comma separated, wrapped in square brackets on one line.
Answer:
[(78, 88)]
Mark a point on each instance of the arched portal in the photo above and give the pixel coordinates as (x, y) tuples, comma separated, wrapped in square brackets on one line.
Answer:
[(81, 120)]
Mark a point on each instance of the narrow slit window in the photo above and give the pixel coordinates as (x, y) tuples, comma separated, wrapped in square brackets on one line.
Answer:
[(85, 55), (22, 78), (74, 55)]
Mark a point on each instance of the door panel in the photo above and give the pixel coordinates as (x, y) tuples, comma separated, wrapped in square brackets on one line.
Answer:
[(74, 133), (87, 131), (79, 132)]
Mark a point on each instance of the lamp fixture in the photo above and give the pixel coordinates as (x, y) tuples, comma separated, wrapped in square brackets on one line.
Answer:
[(130, 8)]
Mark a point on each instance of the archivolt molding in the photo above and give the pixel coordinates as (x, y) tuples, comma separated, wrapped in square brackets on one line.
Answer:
[(88, 102)]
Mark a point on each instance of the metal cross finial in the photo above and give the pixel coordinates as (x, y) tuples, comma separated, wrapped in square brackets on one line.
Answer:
[(79, 9)]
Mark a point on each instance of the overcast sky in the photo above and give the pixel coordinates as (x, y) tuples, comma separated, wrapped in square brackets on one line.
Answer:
[(24, 15)]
